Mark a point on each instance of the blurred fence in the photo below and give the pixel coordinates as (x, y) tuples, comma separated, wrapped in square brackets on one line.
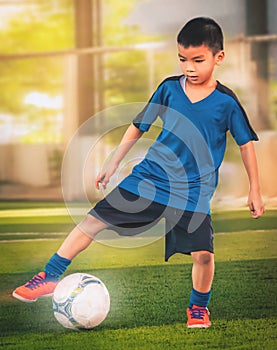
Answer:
[(32, 171)]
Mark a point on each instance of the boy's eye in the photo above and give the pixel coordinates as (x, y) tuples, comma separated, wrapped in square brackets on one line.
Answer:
[(182, 59), (199, 61)]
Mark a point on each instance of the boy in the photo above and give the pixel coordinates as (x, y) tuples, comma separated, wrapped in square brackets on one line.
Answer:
[(179, 174)]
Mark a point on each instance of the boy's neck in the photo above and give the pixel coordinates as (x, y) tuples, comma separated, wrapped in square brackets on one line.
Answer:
[(198, 92)]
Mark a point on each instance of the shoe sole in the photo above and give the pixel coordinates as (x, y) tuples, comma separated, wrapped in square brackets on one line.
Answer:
[(25, 300), (199, 326)]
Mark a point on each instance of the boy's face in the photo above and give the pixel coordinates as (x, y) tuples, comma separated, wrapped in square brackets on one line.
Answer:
[(198, 62)]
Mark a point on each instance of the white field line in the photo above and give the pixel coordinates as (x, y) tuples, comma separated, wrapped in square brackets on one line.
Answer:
[(18, 213), (56, 236), (28, 240), (61, 234), (246, 231), (31, 233)]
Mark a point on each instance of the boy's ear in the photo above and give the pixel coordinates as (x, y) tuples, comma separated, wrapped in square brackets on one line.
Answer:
[(219, 57)]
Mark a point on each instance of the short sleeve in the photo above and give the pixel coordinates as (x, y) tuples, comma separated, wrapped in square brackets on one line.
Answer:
[(240, 127), (151, 111)]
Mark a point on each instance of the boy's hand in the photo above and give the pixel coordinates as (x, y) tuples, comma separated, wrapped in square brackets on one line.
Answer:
[(103, 177), (130, 137), (255, 201), (255, 204)]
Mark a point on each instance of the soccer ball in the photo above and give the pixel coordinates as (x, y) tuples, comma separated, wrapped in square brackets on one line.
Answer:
[(81, 301)]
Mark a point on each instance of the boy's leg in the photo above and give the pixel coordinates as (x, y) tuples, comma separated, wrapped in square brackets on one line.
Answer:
[(77, 240), (202, 277), (44, 283), (114, 212), (202, 271), (193, 235)]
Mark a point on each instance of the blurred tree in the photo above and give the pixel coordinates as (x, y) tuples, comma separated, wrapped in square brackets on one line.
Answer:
[(49, 26), (37, 29), (127, 73)]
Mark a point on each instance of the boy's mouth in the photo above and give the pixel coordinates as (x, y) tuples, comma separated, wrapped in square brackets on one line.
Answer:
[(192, 77)]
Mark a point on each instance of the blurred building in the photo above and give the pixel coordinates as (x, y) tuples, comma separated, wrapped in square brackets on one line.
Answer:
[(33, 171)]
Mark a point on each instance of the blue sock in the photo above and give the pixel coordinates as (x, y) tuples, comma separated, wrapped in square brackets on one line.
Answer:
[(56, 266), (199, 299)]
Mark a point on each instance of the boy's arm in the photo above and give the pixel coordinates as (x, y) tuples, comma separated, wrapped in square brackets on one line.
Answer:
[(255, 201), (130, 137)]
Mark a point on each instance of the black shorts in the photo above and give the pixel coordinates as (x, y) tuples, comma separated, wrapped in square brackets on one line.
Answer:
[(128, 215)]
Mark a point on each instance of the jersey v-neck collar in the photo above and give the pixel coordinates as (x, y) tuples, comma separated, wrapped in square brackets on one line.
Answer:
[(181, 82)]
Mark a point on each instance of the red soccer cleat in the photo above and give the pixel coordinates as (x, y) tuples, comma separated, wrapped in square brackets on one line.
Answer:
[(198, 317), (38, 286)]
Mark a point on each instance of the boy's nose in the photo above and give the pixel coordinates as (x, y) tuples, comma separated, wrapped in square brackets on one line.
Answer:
[(189, 68)]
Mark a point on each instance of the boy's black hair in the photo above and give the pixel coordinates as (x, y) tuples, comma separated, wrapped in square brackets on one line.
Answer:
[(201, 31)]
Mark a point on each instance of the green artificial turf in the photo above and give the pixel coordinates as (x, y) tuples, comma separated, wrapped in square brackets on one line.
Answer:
[(148, 296)]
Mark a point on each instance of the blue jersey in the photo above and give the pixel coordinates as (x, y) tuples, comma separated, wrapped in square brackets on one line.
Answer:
[(180, 169)]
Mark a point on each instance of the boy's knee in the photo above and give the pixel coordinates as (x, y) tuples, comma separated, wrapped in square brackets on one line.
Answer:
[(90, 225), (203, 257)]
